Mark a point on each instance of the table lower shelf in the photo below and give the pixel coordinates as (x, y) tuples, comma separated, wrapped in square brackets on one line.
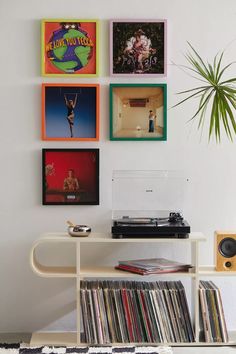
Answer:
[(69, 339), (54, 338)]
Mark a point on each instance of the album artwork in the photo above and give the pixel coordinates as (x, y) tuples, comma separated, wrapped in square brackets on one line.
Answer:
[(70, 112), (69, 47), (138, 112), (70, 176), (138, 47)]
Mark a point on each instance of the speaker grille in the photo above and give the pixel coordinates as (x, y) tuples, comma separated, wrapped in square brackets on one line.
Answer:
[(227, 247)]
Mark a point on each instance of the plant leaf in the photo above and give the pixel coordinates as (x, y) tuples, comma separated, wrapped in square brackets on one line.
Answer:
[(229, 112), (227, 81), (223, 70), (194, 89), (212, 120), (221, 96), (187, 98), (218, 66), (202, 105), (203, 113), (224, 118), (198, 56)]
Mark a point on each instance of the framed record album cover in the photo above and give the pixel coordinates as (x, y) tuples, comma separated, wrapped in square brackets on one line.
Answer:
[(69, 47), (70, 176), (138, 47), (70, 112), (138, 112)]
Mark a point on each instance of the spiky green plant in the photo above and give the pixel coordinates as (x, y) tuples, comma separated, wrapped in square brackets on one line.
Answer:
[(219, 96)]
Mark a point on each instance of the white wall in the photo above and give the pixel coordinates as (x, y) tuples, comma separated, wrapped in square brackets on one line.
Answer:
[(28, 302)]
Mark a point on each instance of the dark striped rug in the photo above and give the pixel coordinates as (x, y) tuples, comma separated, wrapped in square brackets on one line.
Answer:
[(23, 349)]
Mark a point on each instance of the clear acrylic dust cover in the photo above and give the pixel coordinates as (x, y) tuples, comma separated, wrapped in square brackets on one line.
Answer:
[(153, 193)]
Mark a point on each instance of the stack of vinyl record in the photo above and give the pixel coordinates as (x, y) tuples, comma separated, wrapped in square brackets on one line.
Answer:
[(152, 266), (130, 312), (212, 314)]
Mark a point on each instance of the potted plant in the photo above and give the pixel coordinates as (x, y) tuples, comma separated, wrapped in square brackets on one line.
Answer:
[(216, 96)]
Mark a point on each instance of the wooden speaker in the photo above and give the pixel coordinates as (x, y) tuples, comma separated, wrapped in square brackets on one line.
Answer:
[(225, 251)]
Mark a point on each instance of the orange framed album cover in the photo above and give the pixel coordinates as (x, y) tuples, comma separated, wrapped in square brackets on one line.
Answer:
[(70, 112), (69, 47)]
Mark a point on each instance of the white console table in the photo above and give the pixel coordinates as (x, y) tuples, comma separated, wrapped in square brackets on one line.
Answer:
[(78, 272)]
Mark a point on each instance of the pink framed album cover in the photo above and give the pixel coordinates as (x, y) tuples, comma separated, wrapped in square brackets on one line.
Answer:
[(138, 48)]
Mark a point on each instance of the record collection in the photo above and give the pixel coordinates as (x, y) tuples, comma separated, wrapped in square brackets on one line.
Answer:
[(152, 266), (212, 314), (135, 312)]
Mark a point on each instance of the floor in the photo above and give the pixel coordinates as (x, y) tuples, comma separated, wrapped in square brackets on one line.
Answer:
[(205, 350), (15, 337)]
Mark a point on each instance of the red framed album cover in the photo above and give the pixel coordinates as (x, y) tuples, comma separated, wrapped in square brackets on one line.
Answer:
[(70, 176)]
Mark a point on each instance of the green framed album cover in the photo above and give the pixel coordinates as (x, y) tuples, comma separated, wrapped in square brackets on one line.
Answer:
[(138, 112)]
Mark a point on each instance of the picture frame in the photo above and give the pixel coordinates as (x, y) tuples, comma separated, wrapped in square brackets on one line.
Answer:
[(138, 112), (70, 176), (69, 47), (70, 112), (138, 47)]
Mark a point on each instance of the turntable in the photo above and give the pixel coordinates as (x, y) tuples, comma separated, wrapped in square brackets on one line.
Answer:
[(153, 203), (174, 226)]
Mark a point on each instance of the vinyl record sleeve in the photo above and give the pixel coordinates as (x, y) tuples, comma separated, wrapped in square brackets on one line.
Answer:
[(118, 315), (140, 315), (124, 295), (97, 316), (113, 312), (146, 317), (185, 310), (148, 314), (122, 314), (109, 315), (103, 316), (206, 309), (159, 317), (156, 320), (183, 321), (84, 315), (170, 310), (210, 311), (143, 316), (92, 322), (175, 311), (121, 307), (203, 316), (115, 315), (222, 322), (136, 334), (215, 312), (165, 313), (137, 321)]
